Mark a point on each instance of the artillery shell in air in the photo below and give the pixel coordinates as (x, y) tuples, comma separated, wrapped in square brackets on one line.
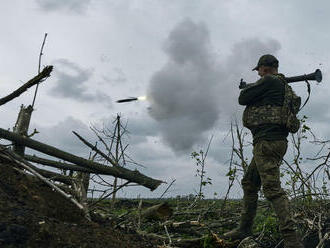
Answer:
[(128, 100)]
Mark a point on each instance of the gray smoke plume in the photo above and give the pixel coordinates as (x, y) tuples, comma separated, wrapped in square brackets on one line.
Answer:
[(189, 92)]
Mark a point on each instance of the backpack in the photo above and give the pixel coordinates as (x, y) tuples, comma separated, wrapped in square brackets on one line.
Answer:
[(285, 115), (290, 108)]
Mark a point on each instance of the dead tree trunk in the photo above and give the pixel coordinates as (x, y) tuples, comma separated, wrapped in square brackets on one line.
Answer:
[(53, 176), (22, 126), (116, 171), (80, 187), (117, 157), (24, 116)]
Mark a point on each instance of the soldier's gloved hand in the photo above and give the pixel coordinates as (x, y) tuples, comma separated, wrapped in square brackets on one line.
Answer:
[(242, 84)]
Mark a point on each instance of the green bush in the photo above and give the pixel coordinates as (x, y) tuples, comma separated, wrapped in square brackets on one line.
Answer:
[(267, 222)]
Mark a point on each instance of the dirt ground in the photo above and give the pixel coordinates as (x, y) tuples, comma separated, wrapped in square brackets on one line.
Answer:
[(32, 215)]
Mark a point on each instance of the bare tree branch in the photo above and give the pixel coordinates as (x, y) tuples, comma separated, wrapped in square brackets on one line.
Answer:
[(40, 55), (42, 76), (94, 148), (117, 171), (56, 164)]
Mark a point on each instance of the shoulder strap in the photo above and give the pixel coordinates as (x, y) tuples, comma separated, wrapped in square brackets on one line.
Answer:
[(281, 76), (309, 93)]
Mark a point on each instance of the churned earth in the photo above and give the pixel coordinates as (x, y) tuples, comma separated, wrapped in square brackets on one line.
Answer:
[(33, 215)]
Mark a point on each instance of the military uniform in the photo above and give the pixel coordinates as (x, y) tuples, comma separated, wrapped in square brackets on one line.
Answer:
[(269, 147)]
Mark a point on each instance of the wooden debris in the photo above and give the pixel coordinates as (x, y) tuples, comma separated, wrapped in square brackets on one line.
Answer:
[(218, 241), (56, 164), (117, 171), (53, 176), (158, 212), (183, 223), (248, 242)]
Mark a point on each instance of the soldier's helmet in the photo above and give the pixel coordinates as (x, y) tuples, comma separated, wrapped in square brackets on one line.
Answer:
[(267, 60)]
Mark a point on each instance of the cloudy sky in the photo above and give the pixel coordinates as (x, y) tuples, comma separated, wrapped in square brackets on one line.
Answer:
[(186, 56)]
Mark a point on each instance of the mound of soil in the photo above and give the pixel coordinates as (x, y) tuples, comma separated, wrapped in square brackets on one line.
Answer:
[(33, 215)]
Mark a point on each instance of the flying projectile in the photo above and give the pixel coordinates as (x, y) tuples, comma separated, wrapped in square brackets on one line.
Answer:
[(131, 99)]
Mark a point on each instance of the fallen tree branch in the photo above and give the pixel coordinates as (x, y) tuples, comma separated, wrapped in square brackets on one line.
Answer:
[(182, 224), (116, 171), (167, 189), (168, 235), (56, 164), (48, 174), (53, 176), (179, 242), (323, 239), (36, 80)]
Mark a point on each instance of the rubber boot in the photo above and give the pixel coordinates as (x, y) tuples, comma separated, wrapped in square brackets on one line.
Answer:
[(287, 225), (248, 213)]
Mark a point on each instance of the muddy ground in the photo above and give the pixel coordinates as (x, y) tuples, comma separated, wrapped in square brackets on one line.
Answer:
[(33, 215)]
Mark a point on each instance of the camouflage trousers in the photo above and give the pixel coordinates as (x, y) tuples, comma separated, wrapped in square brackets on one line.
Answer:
[(264, 170)]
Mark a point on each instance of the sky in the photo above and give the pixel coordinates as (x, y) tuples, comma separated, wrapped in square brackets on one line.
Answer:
[(186, 56)]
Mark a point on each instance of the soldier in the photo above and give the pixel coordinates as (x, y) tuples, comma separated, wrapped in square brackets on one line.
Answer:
[(269, 147)]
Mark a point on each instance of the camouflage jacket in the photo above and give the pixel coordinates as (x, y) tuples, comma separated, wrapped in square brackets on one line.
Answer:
[(268, 90)]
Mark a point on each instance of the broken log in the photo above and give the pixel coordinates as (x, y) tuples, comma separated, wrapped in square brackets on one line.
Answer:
[(53, 176), (37, 79), (116, 171), (45, 173), (56, 164), (158, 212), (183, 224)]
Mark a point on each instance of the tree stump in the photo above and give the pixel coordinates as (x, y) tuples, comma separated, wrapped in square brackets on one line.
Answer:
[(22, 126)]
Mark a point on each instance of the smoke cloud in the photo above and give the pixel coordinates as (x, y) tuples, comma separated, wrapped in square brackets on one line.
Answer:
[(177, 92), (188, 94)]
